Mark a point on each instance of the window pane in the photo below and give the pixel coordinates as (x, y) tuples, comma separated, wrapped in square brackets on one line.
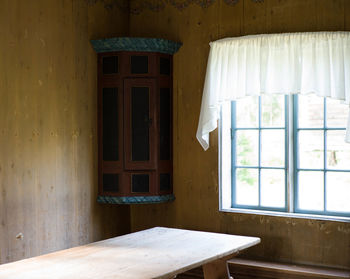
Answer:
[(311, 190), (338, 151), (311, 149), (247, 148), (272, 111), (337, 114), (272, 148), (272, 188), (338, 191), (310, 111), (247, 187), (247, 110)]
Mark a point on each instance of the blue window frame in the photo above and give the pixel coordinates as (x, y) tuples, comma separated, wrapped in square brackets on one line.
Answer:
[(292, 164), (317, 171)]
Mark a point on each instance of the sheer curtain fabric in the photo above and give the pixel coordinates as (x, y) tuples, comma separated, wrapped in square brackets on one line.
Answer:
[(292, 63)]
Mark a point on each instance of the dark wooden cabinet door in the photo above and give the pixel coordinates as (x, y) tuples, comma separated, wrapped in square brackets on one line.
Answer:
[(140, 124)]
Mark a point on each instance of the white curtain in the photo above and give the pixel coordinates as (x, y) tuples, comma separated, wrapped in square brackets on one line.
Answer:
[(292, 63)]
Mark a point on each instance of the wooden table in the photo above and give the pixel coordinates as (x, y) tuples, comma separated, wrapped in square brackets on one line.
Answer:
[(160, 253)]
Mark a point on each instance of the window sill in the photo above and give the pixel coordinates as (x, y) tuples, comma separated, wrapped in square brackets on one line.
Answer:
[(287, 214)]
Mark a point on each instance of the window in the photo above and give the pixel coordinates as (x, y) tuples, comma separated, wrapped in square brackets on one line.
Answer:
[(258, 153), (285, 154)]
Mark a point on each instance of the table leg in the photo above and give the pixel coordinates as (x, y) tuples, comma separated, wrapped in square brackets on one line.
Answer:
[(217, 269)]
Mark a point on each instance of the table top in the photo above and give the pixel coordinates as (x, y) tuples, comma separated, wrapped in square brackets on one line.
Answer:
[(158, 253)]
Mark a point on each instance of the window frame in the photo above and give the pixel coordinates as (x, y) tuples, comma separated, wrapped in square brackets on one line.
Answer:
[(324, 170), (234, 166), (291, 168)]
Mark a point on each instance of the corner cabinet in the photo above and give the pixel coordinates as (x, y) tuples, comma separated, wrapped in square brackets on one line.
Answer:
[(135, 120)]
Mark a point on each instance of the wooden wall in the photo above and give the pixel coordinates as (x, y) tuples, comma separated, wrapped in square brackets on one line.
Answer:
[(48, 144), (48, 138), (195, 171)]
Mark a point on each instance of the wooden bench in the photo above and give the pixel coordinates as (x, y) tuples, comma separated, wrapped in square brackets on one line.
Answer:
[(250, 269), (246, 269)]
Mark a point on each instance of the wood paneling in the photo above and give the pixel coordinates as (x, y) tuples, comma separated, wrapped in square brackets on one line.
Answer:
[(196, 171), (48, 123), (48, 138)]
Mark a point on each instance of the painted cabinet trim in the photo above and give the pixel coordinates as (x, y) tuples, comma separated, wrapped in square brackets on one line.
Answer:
[(135, 199), (136, 44)]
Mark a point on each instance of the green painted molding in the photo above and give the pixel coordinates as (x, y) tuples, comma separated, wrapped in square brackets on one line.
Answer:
[(136, 44), (135, 199)]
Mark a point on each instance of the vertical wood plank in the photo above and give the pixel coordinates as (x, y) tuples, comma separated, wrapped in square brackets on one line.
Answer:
[(291, 16), (48, 95), (230, 19), (254, 18), (330, 21), (346, 15)]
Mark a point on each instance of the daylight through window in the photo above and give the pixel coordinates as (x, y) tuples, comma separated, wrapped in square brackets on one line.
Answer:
[(287, 153)]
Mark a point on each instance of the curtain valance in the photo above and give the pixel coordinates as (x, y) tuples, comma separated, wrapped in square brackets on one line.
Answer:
[(292, 63)]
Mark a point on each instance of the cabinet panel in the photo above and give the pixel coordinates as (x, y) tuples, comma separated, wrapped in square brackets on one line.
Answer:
[(165, 182), (139, 123), (140, 183), (139, 64), (110, 125), (164, 124), (110, 182), (164, 66), (110, 65)]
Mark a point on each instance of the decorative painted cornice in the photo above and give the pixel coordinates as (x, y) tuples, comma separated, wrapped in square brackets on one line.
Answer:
[(138, 6), (136, 44), (135, 200), (123, 5), (234, 2)]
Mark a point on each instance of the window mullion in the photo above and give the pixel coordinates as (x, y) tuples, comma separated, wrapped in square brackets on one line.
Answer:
[(292, 147), (324, 154), (259, 152), (295, 150), (233, 152)]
